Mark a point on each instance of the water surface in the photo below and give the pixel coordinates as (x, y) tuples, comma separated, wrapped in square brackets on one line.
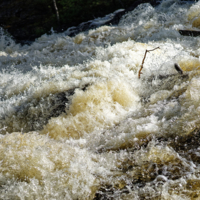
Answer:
[(76, 122)]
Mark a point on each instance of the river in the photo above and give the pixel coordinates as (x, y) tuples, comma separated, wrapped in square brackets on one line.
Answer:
[(78, 121)]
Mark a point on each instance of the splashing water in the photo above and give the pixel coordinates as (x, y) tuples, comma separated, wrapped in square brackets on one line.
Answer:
[(76, 122)]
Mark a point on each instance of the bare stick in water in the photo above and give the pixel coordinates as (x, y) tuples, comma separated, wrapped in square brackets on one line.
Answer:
[(139, 73), (178, 69), (57, 13)]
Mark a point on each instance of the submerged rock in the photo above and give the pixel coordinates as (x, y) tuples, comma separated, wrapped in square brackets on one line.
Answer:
[(32, 115)]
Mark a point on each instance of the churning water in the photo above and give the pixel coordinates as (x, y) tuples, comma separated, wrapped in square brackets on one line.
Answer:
[(76, 122)]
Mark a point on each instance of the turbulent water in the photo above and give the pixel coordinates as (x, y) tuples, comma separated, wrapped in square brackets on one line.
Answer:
[(76, 121)]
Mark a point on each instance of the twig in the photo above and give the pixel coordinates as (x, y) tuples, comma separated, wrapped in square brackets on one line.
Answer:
[(139, 73), (178, 69), (57, 13)]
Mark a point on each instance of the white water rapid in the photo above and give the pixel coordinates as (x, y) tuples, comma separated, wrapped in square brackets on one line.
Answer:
[(77, 123)]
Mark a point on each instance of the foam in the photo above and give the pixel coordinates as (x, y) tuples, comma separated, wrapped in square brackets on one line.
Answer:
[(44, 168), (101, 105), (189, 64), (193, 90), (193, 11), (116, 136)]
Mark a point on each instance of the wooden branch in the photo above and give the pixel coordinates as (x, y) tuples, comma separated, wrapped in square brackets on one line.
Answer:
[(193, 33), (139, 73), (57, 13), (178, 69)]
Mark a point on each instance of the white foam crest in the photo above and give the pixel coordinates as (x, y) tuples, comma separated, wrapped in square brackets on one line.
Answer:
[(146, 23)]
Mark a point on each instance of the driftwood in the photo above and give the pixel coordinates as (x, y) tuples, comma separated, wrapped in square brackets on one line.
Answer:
[(57, 13), (178, 69), (192, 33), (139, 73)]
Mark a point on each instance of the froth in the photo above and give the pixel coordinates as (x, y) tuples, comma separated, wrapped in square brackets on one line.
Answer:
[(101, 106), (43, 167)]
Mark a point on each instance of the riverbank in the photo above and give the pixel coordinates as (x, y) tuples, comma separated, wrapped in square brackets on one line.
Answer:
[(26, 20)]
